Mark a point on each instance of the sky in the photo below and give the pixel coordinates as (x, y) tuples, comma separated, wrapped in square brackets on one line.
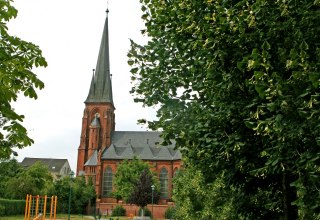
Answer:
[(69, 34)]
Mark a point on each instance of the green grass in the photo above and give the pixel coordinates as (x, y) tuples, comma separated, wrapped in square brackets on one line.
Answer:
[(21, 217), (60, 217)]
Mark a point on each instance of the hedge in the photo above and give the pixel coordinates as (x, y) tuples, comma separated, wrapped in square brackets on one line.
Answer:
[(119, 211), (12, 207), (169, 214)]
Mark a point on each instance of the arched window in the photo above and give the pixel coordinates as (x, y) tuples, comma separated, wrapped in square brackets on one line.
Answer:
[(163, 183), (107, 182), (175, 172)]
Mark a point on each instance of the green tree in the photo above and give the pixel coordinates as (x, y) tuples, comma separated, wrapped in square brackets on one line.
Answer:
[(142, 194), (82, 194), (61, 189), (33, 180), (17, 58), (8, 169), (127, 176), (237, 85), (196, 199)]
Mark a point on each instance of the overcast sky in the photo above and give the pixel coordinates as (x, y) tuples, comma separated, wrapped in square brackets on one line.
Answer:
[(69, 34)]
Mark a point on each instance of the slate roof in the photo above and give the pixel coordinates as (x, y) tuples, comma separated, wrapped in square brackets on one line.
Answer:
[(100, 88), (95, 122), (93, 161), (54, 165), (143, 144)]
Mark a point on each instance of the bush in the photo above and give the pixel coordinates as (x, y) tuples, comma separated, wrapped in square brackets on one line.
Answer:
[(169, 214), (119, 211), (146, 212), (12, 207), (2, 209)]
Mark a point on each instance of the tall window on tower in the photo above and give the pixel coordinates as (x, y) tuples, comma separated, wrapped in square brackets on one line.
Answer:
[(163, 183), (107, 182)]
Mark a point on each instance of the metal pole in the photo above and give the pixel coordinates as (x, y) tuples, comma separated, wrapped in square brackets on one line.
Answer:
[(152, 187)]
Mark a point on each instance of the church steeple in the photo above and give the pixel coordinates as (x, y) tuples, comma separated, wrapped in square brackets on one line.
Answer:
[(96, 131), (101, 89)]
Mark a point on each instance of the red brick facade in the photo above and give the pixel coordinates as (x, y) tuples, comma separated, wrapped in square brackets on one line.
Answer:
[(91, 138), (133, 210)]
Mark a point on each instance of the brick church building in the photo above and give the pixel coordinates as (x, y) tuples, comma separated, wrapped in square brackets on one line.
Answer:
[(102, 148)]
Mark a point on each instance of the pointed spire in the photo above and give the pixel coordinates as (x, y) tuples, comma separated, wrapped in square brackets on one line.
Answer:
[(101, 88)]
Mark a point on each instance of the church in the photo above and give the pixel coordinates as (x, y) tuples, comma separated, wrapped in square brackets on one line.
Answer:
[(102, 148)]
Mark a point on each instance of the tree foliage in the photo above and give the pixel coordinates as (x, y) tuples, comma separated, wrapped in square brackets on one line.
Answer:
[(16, 182), (32, 180), (127, 176), (237, 83), (142, 194), (197, 199), (61, 189), (8, 169), (119, 211), (82, 194), (17, 58)]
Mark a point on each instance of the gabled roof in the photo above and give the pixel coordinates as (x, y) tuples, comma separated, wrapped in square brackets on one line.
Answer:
[(177, 155), (95, 122), (101, 88), (54, 165), (93, 160), (143, 144)]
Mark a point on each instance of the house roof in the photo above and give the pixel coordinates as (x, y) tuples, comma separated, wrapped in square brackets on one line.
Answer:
[(143, 144), (54, 165)]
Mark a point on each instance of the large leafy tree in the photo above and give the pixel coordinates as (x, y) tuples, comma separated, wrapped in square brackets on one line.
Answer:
[(82, 194), (127, 176), (17, 58), (237, 83), (34, 180)]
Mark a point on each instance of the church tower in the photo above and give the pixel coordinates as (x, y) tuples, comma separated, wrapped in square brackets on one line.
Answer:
[(98, 117), (102, 148)]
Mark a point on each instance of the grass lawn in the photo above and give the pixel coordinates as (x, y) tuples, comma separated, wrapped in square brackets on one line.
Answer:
[(61, 217), (21, 217)]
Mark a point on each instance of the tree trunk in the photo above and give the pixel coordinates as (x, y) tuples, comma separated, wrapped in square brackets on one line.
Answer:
[(289, 195)]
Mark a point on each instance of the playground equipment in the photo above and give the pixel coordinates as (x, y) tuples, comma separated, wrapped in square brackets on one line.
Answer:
[(36, 207)]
